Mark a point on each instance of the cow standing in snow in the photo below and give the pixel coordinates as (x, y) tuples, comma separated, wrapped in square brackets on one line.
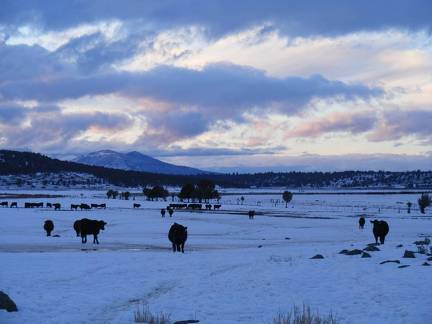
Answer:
[(361, 222), (48, 227), (177, 236), (380, 230), (91, 227)]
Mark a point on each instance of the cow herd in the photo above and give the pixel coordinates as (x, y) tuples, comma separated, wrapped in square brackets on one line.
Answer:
[(177, 234), (84, 206), (194, 206)]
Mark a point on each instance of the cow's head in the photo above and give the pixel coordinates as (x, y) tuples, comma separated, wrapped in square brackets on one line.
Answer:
[(102, 224), (375, 222)]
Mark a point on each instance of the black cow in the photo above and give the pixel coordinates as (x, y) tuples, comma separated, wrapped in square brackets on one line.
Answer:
[(170, 211), (91, 227), (48, 205), (177, 206), (216, 207), (181, 206), (163, 211), (380, 230), (77, 227), (362, 222), (177, 236), (194, 206), (32, 205), (136, 205), (14, 204), (48, 227), (98, 206), (84, 206), (251, 214), (56, 206), (4, 204), (74, 207), (208, 206)]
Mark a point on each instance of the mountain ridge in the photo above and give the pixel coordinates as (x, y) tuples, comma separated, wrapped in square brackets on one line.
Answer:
[(134, 161)]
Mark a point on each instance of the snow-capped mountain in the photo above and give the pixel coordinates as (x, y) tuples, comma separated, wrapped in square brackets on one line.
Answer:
[(134, 161)]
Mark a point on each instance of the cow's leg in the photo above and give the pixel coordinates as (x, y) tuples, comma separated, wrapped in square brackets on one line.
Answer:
[(376, 239), (95, 239), (173, 247), (182, 247), (83, 238), (382, 239)]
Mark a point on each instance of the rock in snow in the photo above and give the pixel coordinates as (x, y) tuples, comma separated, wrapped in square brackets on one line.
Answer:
[(7, 303), (409, 254), (318, 256)]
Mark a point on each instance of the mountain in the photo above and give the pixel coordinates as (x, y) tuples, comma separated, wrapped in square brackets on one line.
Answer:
[(134, 161)]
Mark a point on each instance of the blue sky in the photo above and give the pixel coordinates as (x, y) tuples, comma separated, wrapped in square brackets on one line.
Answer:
[(223, 85)]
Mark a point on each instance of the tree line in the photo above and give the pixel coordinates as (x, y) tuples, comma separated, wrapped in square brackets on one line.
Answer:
[(14, 162)]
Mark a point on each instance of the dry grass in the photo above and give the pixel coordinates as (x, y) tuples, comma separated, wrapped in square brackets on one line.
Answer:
[(303, 315), (143, 315)]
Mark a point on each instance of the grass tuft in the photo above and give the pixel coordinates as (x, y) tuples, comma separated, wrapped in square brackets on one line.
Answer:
[(144, 315), (303, 315)]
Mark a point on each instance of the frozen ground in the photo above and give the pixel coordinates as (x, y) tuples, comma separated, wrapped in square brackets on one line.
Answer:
[(224, 276)]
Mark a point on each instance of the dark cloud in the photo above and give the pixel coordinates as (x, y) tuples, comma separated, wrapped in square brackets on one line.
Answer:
[(226, 87), (306, 17), (221, 152), (22, 62), (179, 124), (94, 52), (11, 113)]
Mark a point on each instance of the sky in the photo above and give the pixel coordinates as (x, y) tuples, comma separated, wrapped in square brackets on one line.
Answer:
[(238, 86)]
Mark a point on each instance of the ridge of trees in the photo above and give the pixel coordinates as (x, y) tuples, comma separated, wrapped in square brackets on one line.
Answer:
[(14, 162)]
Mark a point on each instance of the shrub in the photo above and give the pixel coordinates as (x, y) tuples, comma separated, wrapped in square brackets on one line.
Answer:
[(287, 197), (143, 315), (424, 201), (303, 316)]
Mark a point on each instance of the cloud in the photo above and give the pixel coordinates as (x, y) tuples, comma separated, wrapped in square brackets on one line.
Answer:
[(224, 86), (309, 162), (220, 152), (335, 122), (397, 124), (297, 18), (48, 128), (11, 113), (22, 62)]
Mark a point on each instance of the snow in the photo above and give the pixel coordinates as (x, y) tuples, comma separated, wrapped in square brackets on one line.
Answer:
[(223, 277)]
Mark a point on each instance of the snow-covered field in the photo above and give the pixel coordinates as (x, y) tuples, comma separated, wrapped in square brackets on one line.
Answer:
[(234, 270)]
